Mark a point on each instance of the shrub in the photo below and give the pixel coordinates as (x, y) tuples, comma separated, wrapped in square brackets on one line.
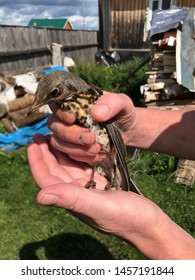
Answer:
[(108, 78)]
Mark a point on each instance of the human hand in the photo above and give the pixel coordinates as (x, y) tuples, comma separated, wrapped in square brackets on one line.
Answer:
[(127, 215), (61, 181), (80, 143)]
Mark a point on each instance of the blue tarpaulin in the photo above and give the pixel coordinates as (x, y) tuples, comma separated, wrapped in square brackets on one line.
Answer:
[(164, 20), (22, 136), (54, 68)]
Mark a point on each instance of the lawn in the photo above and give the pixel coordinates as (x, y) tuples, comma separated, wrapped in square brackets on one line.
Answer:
[(31, 231)]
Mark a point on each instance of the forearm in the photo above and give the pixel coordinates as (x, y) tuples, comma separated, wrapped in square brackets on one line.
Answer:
[(170, 132), (164, 240)]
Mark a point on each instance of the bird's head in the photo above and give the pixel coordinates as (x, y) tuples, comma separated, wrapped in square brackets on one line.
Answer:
[(53, 87)]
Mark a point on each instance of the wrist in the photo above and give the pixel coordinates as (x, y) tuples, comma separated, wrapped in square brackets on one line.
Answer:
[(164, 239), (134, 133)]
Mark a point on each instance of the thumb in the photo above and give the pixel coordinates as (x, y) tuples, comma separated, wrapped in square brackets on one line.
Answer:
[(68, 196), (110, 105), (102, 111)]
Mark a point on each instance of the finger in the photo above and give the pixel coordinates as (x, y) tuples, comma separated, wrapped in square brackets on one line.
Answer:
[(94, 203), (71, 133), (67, 117), (47, 162), (111, 105), (60, 164), (97, 158), (74, 149), (76, 169), (72, 197), (37, 163)]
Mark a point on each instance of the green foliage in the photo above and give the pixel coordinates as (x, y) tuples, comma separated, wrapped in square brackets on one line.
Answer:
[(99, 76), (152, 163), (153, 172), (158, 163), (2, 128), (107, 78)]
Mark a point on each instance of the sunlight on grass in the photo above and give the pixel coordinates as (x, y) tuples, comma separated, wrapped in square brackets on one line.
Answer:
[(30, 231)]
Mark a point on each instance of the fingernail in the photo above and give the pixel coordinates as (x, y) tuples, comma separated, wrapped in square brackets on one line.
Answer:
[(102, 110), (50, 199), (85, 138)]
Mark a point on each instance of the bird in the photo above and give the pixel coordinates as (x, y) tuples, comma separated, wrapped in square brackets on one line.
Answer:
[(71, 93)]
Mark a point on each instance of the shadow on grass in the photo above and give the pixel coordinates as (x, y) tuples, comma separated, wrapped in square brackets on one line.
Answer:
[(67, 246)]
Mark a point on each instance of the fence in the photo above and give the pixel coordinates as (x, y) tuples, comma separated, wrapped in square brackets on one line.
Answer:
[(29, 47)]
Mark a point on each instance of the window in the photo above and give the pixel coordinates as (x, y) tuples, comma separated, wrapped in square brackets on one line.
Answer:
[(153, 5), (167, 4), (160, 4)]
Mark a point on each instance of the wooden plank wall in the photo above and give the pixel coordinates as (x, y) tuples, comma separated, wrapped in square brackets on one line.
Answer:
[(122, 24), (28, 47), (127, 23), (185, 3)]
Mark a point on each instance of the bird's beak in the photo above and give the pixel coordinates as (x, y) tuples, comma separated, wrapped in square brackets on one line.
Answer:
[(34, 107)]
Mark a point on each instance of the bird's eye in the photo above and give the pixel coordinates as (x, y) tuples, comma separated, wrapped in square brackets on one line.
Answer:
[(54, 93)]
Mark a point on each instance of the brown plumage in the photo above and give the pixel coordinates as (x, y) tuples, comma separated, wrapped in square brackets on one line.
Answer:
[(73, 94)]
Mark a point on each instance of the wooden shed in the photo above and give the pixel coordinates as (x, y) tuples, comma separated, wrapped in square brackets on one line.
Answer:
[(124, 24)]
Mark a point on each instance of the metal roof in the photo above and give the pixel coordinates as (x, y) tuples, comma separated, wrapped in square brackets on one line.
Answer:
[(49, 22)]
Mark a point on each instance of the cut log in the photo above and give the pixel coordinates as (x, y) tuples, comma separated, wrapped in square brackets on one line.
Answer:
[(158, 80), (151, 96), (169, 59), (155, 86), (10, 80), (2, 86), (185, 173), (7, 124), (3, 110), (21, 117), (21, 102), (169, 69)]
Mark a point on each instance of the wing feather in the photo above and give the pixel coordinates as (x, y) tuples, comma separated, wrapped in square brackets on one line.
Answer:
[(117, 140)]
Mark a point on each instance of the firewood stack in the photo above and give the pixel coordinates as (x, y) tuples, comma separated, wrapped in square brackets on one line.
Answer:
[(17, 94), (162, 87), (162, 90)]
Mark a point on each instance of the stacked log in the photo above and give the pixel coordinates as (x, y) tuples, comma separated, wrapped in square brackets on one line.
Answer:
[(163, 91), (185, 173), (17, 93), (162, 87)]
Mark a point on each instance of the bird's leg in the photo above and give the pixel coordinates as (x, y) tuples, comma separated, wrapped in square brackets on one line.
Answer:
[(110, 186), (115, 180), (91, 184)]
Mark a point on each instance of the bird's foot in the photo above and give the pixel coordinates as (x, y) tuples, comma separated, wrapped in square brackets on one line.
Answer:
[(109, 186), (90, 184)]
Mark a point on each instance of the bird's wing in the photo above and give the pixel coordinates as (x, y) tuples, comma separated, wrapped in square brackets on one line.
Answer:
[(117, 140)]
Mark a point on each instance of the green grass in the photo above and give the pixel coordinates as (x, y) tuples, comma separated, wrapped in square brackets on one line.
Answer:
[(31, 231)]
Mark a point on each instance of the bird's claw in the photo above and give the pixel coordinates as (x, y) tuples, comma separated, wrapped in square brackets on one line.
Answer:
[(90, 184)]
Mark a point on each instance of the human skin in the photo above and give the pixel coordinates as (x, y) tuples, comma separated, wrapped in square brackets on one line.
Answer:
[(56, 166), (165, 131)]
